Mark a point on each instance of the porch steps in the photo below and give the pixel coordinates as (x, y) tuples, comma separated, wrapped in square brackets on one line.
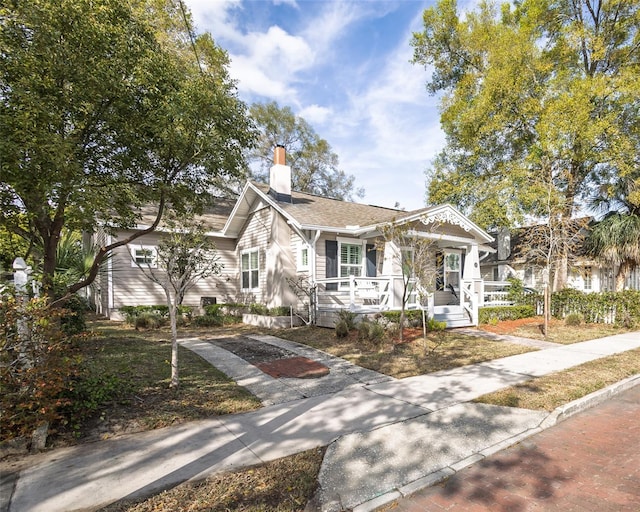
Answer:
[(454, 316)]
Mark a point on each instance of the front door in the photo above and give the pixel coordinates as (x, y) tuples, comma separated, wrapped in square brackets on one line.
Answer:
[(452, 269)]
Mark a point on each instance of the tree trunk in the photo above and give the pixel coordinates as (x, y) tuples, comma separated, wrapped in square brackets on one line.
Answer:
[(561, 272), (621, 276), (174, 339)]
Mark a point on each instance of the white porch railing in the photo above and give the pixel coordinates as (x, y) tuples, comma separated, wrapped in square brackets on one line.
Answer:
[(381, 293), (469, 299), (494, 293)]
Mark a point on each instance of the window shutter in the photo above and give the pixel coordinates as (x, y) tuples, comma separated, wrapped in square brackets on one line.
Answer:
[(371, 260), (331, 250)]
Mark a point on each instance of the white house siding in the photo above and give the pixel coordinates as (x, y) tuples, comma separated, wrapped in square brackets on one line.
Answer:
[(255, 235), (132, 288), (100, 287), (280, 264)]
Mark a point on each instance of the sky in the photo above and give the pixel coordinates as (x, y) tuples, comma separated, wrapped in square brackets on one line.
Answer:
[(344, 66)]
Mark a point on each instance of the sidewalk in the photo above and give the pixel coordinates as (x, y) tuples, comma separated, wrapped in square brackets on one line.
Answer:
[(589, 462), (392, 434)]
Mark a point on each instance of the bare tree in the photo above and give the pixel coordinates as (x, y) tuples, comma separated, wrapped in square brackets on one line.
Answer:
[(415, 253), (184, 256), (553, 245)]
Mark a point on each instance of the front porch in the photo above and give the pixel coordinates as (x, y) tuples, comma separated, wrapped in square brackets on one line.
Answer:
[(367, 296)]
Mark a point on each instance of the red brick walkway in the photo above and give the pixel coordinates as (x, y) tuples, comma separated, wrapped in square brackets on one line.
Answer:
[(588, 463)]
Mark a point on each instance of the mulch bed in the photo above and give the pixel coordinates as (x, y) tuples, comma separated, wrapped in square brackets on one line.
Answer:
[(274, 361), (294, 367)]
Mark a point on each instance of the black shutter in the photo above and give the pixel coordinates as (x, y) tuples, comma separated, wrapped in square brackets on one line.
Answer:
[(331, 250), (439, 271), (371, 261)]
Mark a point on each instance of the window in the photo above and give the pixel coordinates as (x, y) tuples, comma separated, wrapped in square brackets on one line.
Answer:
[(249, 269), (587, 278), (143, 255), (303, 257), (350, 260)]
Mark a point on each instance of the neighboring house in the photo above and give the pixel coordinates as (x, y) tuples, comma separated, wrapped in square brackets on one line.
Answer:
[(271, 234), (586, 274)]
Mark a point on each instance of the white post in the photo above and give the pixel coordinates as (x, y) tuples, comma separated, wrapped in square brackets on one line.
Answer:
[(352, 291), (20, 280)]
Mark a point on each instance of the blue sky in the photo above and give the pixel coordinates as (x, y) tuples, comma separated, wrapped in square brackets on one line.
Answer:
[(344, 66)]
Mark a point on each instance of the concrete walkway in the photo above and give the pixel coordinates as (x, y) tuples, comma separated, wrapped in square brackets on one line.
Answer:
[(386, 437)]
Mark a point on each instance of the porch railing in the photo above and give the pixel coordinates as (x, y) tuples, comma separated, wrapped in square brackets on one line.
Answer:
[(495, 293), (382, 293), (469, 300)]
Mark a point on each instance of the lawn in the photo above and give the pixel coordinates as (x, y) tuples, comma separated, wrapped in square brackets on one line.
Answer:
[(134, 366), (559, 332), (140, 358), (414, 356), (556, 389)]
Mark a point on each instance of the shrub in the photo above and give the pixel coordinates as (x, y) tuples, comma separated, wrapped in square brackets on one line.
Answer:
[(348, 317), (213, 310), (74, 321), (90, 390), (574, 319), (148, 320), (258, 309), (435, 325), (37, 364), (498, 313), (371, 331), (280, 311), (413, 317), (342, 329), (606, 307)]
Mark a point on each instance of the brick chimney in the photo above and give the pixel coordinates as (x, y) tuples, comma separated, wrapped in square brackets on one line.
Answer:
[(280, 176)]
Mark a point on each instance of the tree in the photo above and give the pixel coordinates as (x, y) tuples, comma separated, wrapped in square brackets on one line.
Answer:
[(106, 107), (314, 166), (539, 88), (616, 238), (415, 255), (184, 256)]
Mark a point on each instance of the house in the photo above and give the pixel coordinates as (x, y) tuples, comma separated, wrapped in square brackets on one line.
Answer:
[(271, 235), (585, 274)]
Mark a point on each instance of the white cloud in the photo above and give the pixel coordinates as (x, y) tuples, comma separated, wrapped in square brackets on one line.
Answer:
[(315, 114), (377, 115), (292, 3)]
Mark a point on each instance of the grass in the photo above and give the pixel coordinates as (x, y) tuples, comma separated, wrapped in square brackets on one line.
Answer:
[(559, 332), (442, 351), (139, 363), (140, 359), (283, 485), (556, 389)]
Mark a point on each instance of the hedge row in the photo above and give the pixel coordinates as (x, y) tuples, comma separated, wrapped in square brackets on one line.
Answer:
[(605, 307), (499, 313)]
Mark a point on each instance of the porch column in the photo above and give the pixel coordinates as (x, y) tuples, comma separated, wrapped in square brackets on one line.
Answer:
[(471, 271)]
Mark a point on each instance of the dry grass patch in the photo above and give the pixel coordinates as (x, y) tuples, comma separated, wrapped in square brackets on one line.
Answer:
[(442, 351), (137, 365), (556, 389), (558, 331), (283, 485)]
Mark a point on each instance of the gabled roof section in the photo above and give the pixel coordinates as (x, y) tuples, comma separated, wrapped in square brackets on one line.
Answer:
[(308, 211), (447, 214), (213, 217)]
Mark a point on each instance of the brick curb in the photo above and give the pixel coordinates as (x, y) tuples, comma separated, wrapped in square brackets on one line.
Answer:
[(556, 416)]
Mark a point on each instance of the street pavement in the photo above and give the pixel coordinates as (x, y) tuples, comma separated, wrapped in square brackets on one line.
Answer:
[(589, 462), (386, 438)]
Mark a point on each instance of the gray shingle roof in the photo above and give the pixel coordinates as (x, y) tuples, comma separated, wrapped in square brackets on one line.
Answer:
[(311, 210)]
